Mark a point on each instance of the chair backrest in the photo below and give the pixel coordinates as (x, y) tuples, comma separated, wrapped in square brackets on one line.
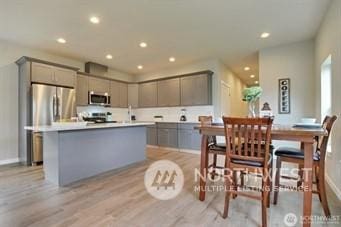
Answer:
[(328, 123), (205, 120), (249, 138)]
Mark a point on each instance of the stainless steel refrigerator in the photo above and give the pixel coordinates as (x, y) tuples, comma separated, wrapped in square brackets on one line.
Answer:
[(49, 104)]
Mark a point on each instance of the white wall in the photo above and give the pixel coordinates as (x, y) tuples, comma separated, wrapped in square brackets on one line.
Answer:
[(328, 42), (9, 53), (221, 72), (294, 61)]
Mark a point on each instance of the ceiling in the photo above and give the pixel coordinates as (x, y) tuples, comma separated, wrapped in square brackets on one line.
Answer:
[(189, 30)]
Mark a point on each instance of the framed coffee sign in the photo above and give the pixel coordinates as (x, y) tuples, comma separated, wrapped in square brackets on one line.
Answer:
[(284, 96)]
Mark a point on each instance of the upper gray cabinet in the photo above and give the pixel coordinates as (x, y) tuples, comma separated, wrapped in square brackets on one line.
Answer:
[(65, 77), (123, 88), (99, 85), (82, 90), (148, 94), (168, 92), (118, 94), (196, 90), (47, 74)]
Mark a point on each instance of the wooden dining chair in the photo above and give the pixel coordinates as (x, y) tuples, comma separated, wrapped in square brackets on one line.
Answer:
[(249, 151), (214, 148), (296, 156)]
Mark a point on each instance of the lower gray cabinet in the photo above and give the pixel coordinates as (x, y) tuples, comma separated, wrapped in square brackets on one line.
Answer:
[(188, 137), (174, 135), (152, 135), (167, 134), (167, 137)]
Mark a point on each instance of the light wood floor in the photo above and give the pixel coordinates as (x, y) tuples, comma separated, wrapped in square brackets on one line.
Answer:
[(119, 198)]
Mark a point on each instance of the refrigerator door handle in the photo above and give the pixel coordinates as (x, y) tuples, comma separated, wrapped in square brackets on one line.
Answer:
[(58, 108), (54, 105)]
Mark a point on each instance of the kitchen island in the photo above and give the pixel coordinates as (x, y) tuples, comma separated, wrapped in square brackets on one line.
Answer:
[(75, 152)]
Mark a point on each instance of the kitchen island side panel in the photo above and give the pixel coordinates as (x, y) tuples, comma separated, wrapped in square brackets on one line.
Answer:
[(86, 153)]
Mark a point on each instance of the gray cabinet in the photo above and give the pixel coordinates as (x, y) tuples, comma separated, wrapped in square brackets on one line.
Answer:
[(118, 94), (133, 95), (42, 73), (167, 135), (99, 85), (174, 135), (148, 94), (64, 77), (47, 74), (152, 135), (196, 90), (114, 94), (188, 137), (123, 90), (168, 92), (82, 90)]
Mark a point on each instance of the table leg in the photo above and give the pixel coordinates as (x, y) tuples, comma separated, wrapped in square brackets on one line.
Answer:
[(308, 183), (203, 166)]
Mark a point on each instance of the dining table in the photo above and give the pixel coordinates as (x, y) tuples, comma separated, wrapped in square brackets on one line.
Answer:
[(307, 138)]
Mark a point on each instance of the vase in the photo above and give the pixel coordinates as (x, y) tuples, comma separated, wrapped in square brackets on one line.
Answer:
[(252, 107)]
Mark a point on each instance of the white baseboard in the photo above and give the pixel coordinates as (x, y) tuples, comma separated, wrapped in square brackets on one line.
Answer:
[(332, 185), (174, 149), (9, 161), (190, 151)]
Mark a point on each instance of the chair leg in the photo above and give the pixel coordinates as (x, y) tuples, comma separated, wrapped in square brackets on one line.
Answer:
[(268, 189), (277, 178), (300, 175), (264, 204), (322, 188), (227, 197), (235, 183), (317, 182), (214, 166), (242, 174), (270, 183)]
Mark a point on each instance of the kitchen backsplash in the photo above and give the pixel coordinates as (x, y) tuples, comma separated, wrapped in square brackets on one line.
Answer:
[(173, 113), (147, 114), (118, 114)]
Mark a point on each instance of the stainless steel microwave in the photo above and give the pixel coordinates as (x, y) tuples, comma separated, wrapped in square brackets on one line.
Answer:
[(99, 99)]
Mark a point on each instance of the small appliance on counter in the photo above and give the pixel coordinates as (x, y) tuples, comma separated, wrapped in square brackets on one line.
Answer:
[(109, 116), (183, 115)]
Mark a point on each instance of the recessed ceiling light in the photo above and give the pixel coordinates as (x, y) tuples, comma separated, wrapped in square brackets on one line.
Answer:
[(109, 56), (172, 59), (61, 40), (256, 82), (252, 76), (94, 20), (247, 68), (143, 45), (140, 66), (265, 35)]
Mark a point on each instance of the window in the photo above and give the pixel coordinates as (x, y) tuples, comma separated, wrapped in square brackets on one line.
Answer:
[(326, 91)]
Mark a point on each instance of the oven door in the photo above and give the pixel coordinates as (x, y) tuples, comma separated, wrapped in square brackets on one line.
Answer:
[(99, 99)]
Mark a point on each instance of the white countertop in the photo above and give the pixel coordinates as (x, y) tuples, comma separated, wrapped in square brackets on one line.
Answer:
[(67, 127)]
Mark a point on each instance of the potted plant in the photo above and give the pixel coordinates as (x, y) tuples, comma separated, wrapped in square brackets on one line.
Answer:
[(251, 95)]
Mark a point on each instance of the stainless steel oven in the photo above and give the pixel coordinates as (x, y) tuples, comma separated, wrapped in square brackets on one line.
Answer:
[(99, 99)]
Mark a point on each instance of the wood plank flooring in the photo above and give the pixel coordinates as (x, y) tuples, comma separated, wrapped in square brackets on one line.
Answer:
[(118, 198)]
